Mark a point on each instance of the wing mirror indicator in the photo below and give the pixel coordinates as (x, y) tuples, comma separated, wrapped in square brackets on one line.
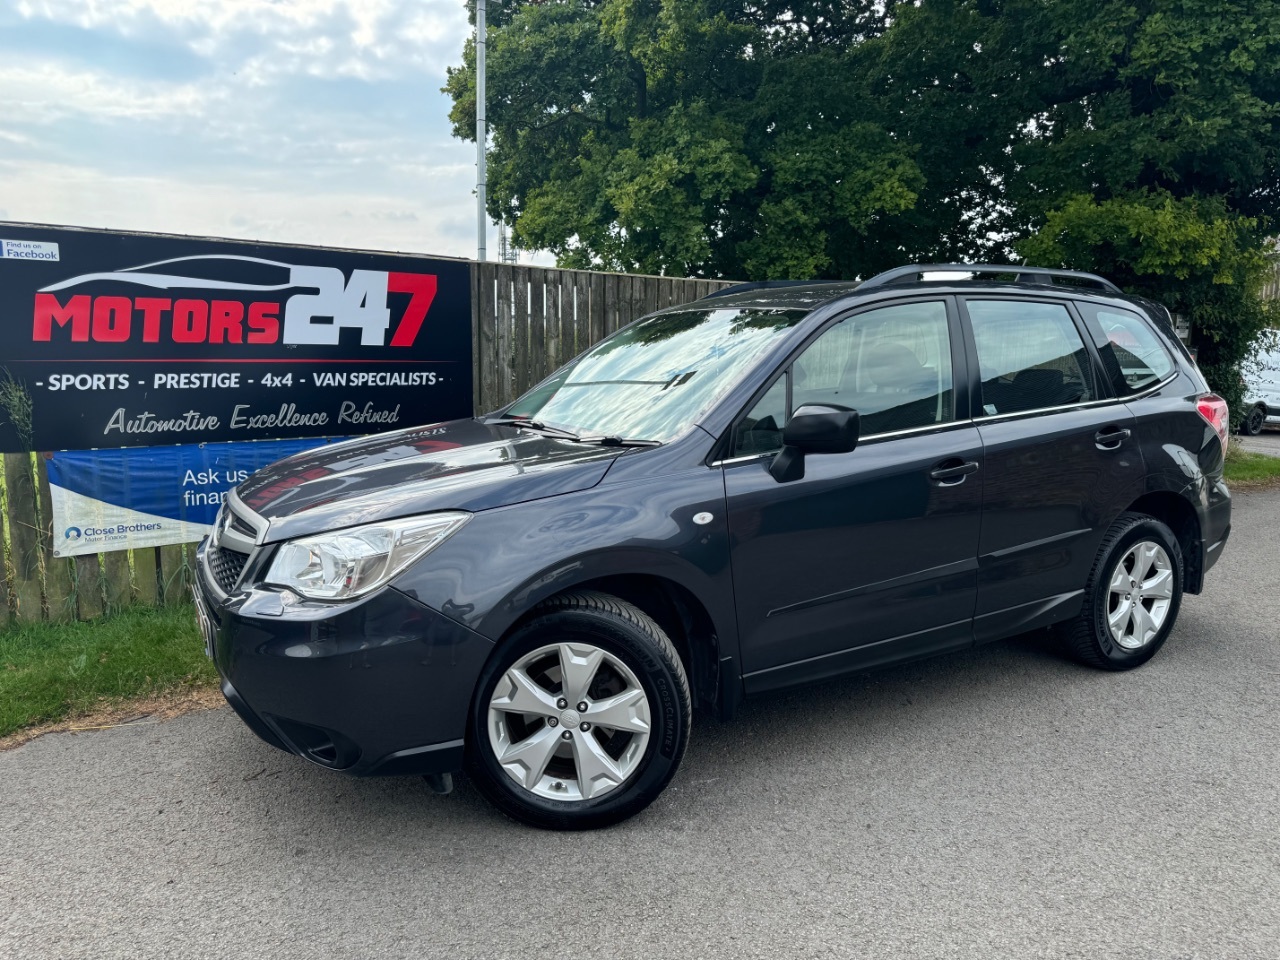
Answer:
[(814, 428)]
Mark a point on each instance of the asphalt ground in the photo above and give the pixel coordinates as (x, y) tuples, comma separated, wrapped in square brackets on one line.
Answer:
[(1268, 441), (1002, 802)]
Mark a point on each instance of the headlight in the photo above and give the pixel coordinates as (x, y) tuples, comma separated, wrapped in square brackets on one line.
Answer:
[(350, 563)]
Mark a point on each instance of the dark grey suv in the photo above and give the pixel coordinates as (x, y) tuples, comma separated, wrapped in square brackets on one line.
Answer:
[(774, 485)]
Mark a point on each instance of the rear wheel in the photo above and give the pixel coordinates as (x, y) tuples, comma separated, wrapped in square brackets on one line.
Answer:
[(1132, 597), (1254, 421), (582, 717)]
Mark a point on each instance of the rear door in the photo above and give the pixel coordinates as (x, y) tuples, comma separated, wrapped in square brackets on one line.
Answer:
[(1061, 460)]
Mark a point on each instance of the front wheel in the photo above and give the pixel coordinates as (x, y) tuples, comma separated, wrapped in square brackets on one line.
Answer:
[(1254, 421), (1132, 596), (582, 717)]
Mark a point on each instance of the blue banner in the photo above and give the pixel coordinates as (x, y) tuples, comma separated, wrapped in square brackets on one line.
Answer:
[(150, 496)]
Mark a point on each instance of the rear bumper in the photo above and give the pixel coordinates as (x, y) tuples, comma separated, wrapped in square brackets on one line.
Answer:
[(1215, 529), (376, 687)]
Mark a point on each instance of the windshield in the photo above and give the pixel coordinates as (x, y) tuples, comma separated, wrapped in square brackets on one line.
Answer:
[(653, 379)]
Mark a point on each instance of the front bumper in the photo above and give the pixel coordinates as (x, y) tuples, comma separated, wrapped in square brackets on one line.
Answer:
[(378, 686)]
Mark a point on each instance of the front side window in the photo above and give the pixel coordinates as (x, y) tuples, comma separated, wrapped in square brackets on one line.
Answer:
[(653, 379), (1030, 356), (1130, 350), (892, 365)]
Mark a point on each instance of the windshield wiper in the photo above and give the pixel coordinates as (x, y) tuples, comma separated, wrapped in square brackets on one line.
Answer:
[(605, 440), (615, 441), (533, 425)]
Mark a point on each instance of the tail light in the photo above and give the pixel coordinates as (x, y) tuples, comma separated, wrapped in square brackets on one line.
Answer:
[(1214, 410)]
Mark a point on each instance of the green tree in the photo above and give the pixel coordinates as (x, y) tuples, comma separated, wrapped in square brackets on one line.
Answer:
[(1151, 155), (685, 136), (1135, 138)]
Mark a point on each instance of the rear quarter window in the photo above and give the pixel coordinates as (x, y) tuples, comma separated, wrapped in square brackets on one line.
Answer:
[(1132, 352)]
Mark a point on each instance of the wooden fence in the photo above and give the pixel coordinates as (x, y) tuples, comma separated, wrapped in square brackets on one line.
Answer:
[(525, 322)]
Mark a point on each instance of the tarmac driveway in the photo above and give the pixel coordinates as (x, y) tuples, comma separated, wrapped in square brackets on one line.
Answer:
[(1002, 802)]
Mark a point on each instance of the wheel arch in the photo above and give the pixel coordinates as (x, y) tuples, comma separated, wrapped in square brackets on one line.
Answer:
[(1177, 513), (682, 616)]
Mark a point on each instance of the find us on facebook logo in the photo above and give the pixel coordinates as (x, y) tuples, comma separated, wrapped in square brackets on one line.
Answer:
[(28, 250)]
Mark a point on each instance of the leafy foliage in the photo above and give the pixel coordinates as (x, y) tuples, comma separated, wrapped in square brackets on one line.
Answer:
[(1135, 138)]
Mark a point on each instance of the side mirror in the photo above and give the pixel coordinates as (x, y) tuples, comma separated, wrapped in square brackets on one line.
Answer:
[(814, 428)]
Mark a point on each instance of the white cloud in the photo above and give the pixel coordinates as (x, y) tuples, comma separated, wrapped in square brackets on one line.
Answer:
[(305, 121), (83, 196), (370, 39), (41, 93)]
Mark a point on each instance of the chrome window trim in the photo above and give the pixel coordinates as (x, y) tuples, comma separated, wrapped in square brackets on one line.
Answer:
[(1083, 405), (888, 434), (984, 419), (746, 459), (1173, 375), (988, 417)]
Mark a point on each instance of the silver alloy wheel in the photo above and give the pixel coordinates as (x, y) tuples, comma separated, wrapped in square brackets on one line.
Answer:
[(1140, 594), (569, 721)]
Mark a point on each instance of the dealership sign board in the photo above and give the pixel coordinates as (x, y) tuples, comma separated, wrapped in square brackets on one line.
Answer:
[(148, 497), (123, 339)]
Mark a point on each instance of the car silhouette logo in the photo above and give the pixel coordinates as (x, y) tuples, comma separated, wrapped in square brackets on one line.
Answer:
[(187, 276)]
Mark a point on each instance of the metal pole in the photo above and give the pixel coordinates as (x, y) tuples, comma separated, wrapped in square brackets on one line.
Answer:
[(482, 225)]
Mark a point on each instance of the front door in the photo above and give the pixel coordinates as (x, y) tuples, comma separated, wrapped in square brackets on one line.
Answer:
[(872, 555)]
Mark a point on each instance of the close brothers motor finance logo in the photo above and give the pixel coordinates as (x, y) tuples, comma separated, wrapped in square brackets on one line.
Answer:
[(72, 533), (309, 318)]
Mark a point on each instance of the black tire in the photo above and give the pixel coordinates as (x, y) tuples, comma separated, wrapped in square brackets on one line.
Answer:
[(1089, 636), (1254, 421), (622, 631)]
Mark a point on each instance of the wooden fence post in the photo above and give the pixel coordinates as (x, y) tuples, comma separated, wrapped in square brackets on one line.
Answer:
[(555, 350), (117, 580), (520, 329), (88, 587), (538, 362), (24, 539), (506, 354), (146, 576), (581, 312), (595, 308), (173, 574), (489, 362), (59, 572)]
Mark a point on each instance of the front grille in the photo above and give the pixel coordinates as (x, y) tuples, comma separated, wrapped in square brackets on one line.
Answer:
[(226, 566), (239, 526)]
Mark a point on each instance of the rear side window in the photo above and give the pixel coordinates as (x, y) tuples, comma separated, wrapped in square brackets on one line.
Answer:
[(1030, 356), (1131, 351)]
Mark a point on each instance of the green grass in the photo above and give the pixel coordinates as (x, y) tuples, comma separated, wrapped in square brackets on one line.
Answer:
[(51, 670), (1245, 469)]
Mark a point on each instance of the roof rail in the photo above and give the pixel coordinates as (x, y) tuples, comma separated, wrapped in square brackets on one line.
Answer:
[(1024, 274), (763, 284)]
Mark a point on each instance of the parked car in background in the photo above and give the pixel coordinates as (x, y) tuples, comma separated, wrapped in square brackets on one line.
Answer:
[(1262, 387), (774, 485)]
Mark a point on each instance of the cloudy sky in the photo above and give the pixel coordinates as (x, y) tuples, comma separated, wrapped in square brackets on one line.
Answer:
[(315, 121)]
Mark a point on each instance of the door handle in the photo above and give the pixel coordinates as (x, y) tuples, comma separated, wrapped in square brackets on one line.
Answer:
[(950, 472), (1110, 438)]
